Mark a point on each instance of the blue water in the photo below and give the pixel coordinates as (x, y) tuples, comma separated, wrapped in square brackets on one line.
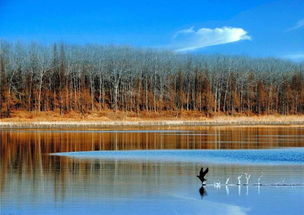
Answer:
[(35, 180), (289, 156)]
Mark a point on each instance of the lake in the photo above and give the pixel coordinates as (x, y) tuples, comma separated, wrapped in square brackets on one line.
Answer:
[(152, 170)]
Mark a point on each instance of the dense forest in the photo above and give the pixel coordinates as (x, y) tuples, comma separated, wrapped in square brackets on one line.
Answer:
[(89, 78)]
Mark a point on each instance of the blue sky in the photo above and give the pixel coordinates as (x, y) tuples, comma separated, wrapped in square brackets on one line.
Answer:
[(256, 28)]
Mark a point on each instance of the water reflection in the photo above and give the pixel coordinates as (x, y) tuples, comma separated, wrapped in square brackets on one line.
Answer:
[(202, 191), (120, 178), (30, 178), (78, 183), (27, 147)]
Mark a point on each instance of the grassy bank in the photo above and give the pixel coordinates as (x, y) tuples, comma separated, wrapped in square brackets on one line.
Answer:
[(114, 119)]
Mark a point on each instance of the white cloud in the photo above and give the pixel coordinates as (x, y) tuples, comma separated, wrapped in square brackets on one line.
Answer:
[(184, 31), (190, 39), (298, 25)]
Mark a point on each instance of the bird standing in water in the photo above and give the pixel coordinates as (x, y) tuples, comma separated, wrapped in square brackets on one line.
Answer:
[(202, 175)]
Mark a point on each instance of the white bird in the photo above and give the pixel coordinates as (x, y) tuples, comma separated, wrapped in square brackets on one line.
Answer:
[(247, 176), (259, 180), (239, 179), (227, 181)]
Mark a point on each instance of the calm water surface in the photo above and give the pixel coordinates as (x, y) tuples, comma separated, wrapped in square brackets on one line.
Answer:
[(34, 182)]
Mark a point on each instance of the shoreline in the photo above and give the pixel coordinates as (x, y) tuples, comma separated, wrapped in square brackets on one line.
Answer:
[(136, 122)]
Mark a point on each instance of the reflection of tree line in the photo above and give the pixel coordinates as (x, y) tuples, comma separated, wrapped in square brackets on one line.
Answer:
[(24, 153), (64, 178), (61, 178)]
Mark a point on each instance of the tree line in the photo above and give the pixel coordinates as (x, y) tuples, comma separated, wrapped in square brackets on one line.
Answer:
[(64, 78)]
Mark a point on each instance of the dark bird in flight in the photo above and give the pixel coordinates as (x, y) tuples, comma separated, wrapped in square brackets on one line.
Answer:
[(202, 175)]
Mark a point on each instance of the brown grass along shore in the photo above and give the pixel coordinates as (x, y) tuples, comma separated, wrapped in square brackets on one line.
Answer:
[(112, 119)]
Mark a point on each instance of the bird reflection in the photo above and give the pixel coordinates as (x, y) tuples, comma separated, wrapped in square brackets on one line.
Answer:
[(202, 191)]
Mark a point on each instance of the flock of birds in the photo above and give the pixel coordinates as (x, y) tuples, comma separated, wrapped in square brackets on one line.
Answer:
[(203, 173)]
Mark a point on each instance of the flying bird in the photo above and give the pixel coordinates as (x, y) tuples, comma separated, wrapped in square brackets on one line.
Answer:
[(202, 175)]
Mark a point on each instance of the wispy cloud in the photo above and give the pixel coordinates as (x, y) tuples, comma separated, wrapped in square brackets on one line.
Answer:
[(184, 31), (295, 57), (298, 25), (191, 39)]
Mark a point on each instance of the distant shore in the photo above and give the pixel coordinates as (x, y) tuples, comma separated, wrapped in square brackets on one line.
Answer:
[(89, 121)]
